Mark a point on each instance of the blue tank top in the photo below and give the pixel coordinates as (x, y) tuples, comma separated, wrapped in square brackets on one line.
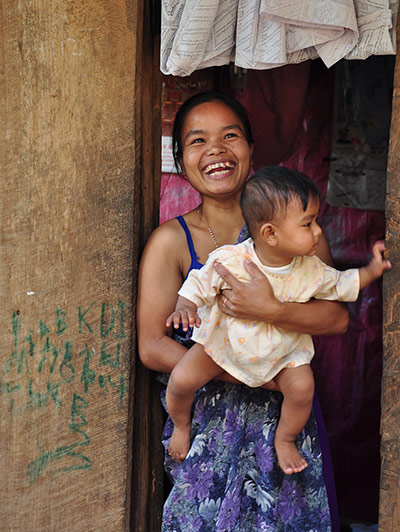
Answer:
[(194, 259), (181, 336)]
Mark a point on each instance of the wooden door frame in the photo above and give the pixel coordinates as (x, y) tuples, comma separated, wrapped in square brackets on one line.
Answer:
[(389, 503), (147, 490)]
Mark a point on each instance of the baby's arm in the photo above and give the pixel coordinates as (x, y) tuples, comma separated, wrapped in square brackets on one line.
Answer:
[(185, 313), (376, 267)]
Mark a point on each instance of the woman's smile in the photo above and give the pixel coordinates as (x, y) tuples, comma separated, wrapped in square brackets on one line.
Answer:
[(219, 169)]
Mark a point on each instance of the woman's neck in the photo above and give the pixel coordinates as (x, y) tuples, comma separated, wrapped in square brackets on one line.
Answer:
[(223, 218)]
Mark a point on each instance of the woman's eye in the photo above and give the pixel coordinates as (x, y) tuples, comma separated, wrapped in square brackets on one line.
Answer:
[(307, 225), (197, 141), (230, 135)]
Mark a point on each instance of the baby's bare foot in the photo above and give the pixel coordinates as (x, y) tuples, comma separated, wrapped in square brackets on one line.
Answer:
[(289, 458), (180, 443)]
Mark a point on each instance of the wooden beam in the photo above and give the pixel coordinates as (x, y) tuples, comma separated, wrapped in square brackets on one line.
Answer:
[(148, 471), (69, 193), (389, 508)]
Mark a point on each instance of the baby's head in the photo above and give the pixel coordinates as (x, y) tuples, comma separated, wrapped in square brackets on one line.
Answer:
[(269, 193), (280, 207)]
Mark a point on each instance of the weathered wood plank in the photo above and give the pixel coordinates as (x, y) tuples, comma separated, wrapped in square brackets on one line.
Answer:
[(68, 192), (147, 466), (389, 508)]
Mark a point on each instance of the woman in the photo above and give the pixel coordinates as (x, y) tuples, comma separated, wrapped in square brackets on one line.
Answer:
[(230, 480)]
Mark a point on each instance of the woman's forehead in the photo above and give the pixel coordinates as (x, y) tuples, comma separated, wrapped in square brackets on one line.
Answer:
[(210, 114)]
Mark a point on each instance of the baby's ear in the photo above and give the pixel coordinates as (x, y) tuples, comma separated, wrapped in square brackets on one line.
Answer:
[(268, 234)]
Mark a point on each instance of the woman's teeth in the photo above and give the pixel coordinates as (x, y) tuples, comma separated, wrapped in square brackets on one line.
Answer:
[(218, 168)]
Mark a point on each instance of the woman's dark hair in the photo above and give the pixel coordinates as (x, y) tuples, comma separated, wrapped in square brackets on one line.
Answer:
[(192, 102), (270, 189)]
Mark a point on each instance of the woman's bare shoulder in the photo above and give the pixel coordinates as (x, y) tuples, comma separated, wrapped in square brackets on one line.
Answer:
[(167, 246), (167, 234)]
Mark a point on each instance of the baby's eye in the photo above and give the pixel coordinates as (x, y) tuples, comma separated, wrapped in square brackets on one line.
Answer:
[(308, 224)]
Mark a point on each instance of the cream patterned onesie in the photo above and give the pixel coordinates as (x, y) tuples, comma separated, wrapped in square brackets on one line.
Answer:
[(251, 351)]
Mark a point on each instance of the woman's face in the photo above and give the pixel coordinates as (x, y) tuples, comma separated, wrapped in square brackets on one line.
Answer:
[(215, 152)]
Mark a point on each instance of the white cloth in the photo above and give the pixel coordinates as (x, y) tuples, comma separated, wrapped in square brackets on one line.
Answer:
[(254, 352), (263, 34)]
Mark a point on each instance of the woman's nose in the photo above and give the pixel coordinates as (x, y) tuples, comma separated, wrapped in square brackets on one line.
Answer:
[(216, 147)]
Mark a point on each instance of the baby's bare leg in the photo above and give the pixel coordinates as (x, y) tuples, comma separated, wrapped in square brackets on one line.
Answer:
[(297, 386), (192, 372)]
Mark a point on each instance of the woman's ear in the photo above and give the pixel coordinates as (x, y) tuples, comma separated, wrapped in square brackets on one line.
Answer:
[(182, 172), (268, 234), (251, 154)]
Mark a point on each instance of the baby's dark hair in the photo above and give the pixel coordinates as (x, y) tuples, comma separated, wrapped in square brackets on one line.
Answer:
[(268, 192)]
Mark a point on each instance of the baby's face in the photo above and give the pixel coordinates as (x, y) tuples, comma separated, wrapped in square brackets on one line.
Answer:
[(297, 230)]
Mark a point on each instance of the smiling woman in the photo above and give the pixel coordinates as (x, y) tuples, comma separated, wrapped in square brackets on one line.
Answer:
[(216, 152), (233, 426)]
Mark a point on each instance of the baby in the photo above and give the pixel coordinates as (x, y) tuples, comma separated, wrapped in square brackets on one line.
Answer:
[(280, 207)]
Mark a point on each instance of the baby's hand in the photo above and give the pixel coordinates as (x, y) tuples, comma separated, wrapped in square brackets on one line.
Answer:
[(185, 316), (378, 264)]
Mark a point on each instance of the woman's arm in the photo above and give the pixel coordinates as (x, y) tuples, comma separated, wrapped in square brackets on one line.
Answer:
[(255, 300), (159, 281)]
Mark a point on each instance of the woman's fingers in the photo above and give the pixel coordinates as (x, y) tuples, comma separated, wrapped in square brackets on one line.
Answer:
[(253, 270), (226, 274), (252, 299)]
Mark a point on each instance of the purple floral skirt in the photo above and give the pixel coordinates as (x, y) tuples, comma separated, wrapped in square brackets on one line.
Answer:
[(231, 481)]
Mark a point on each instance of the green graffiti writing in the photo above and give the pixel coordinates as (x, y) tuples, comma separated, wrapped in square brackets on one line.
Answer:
[(45, 363), (79, 461)]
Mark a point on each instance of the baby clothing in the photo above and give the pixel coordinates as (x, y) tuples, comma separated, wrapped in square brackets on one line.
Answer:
[(251, 351)]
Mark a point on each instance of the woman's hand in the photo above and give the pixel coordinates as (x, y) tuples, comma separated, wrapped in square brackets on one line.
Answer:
[(252, 300)]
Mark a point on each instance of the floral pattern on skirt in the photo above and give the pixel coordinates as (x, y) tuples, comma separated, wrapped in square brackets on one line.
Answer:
[(231, 481)]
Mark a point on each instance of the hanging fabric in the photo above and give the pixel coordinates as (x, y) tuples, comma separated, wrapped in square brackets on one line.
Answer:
[(264, 34), (196, 34)]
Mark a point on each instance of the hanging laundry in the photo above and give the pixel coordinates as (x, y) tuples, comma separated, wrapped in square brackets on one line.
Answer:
[(196, 34), (265, 34), (377, 28), (271, 33)]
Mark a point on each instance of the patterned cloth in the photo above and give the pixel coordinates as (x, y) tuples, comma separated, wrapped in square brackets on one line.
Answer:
[(261, 34), (231, 481)]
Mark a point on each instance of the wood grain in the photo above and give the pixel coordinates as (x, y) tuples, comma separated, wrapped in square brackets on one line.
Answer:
[(69, 191), (389, 507)]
